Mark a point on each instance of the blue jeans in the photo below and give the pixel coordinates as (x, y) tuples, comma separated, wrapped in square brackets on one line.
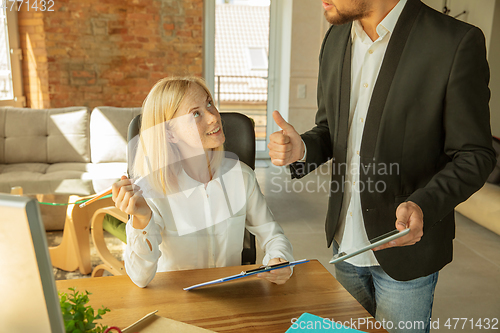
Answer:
[(404, 306)]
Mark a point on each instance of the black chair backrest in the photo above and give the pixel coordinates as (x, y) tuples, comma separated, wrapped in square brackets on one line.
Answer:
[(240, 140)]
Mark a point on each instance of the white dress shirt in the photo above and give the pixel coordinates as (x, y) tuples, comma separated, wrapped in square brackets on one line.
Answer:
[(202, 227), (367, 57)]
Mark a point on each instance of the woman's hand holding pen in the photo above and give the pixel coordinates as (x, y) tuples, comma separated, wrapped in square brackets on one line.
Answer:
[(278, 276), (128, 198)]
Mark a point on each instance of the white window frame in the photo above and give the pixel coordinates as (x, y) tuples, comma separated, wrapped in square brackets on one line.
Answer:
[(209, 43), (280, 43), (260, 52), (16, 57)]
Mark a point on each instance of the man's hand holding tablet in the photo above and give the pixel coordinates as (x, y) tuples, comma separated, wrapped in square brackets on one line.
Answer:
[(374, 243)]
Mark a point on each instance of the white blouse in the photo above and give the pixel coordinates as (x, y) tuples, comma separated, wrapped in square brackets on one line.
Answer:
[(202, 227)]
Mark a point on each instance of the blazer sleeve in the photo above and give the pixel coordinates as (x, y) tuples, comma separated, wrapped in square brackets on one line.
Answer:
[(467, 133), (317, 140)]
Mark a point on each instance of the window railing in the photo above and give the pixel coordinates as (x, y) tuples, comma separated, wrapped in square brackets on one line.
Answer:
[(240, 88), (244, 94), (5, 85), (11, 87)]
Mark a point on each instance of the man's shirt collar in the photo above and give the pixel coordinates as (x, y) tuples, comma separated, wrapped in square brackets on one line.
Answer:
[(387, 25)]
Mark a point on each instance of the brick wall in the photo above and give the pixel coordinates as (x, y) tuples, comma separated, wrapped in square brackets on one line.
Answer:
[(107, 52)]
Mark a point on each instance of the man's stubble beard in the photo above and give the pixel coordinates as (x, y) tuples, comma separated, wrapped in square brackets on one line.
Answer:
[(361, 10)]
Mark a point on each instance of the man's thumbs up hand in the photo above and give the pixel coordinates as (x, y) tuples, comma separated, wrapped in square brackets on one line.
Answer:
[(285, 146)]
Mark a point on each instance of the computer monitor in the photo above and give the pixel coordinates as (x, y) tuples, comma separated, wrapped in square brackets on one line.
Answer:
[(28, 294)]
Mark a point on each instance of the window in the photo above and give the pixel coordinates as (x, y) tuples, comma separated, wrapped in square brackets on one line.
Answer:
[(6, 91), (257, 57), (249, 75), (10, 60)]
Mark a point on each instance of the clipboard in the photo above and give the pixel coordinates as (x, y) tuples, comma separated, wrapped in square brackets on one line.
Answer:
[(377, 241), (261, 269)]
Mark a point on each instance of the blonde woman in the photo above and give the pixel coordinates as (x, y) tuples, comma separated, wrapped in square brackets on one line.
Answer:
[(189, 205)]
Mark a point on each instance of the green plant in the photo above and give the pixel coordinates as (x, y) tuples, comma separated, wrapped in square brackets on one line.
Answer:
[(79, 318)]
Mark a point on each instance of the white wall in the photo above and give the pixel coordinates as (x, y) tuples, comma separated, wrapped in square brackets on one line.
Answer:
[(479, 12), (308, 29), (494, 59), (484, 14)]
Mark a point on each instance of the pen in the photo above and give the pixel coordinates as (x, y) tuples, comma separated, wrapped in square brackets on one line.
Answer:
[(264, 268), (97, 197)]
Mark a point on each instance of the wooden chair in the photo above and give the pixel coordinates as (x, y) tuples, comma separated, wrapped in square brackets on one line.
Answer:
[(240, 140), (110, 263), (74, 250)]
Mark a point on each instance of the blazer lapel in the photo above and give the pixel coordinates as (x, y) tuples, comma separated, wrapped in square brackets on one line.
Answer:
[(339, 87), (345, 101), (386, 75), (335, 76)]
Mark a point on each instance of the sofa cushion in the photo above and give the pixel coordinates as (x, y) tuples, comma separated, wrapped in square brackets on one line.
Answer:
[(2, 135), (17, 176), (68, 135), (22, 167), (108, 133), (56, 186), (77, 168), (60, 178), (37, 178), (103, 175), (25, 135), (44, 135)]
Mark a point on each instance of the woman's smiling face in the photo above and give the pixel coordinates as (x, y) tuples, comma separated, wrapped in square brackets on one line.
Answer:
[(197, 110)]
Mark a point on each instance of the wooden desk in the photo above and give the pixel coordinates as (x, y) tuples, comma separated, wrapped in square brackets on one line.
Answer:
[(245, 305)]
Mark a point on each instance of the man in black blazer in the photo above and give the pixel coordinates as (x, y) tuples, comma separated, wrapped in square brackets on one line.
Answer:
[(427, 114)]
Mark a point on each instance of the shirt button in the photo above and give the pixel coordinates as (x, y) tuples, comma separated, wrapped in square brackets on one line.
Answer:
[(144, 232), (370, 51), (350, 213), (353, 183), (365, 85), (357, 152), (361, 119)]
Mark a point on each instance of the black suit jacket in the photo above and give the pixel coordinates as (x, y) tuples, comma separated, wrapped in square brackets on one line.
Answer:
[(427, 135)]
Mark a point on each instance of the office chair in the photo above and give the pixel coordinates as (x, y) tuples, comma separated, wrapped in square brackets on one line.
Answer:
[(240, 140)]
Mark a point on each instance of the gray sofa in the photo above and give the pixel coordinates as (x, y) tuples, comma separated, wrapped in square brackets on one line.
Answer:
[(63, 151), (483, 207)]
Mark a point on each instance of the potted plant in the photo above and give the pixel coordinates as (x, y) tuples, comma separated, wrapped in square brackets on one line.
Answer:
[(79, 317)]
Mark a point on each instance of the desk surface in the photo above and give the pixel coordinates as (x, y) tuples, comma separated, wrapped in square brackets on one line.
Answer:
[(244, 305)]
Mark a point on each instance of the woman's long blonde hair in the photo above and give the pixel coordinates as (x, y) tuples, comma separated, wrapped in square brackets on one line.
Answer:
[(155, 156)]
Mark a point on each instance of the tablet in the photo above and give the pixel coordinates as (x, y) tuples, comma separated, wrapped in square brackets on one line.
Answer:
[(251, 272), (385, 238)]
